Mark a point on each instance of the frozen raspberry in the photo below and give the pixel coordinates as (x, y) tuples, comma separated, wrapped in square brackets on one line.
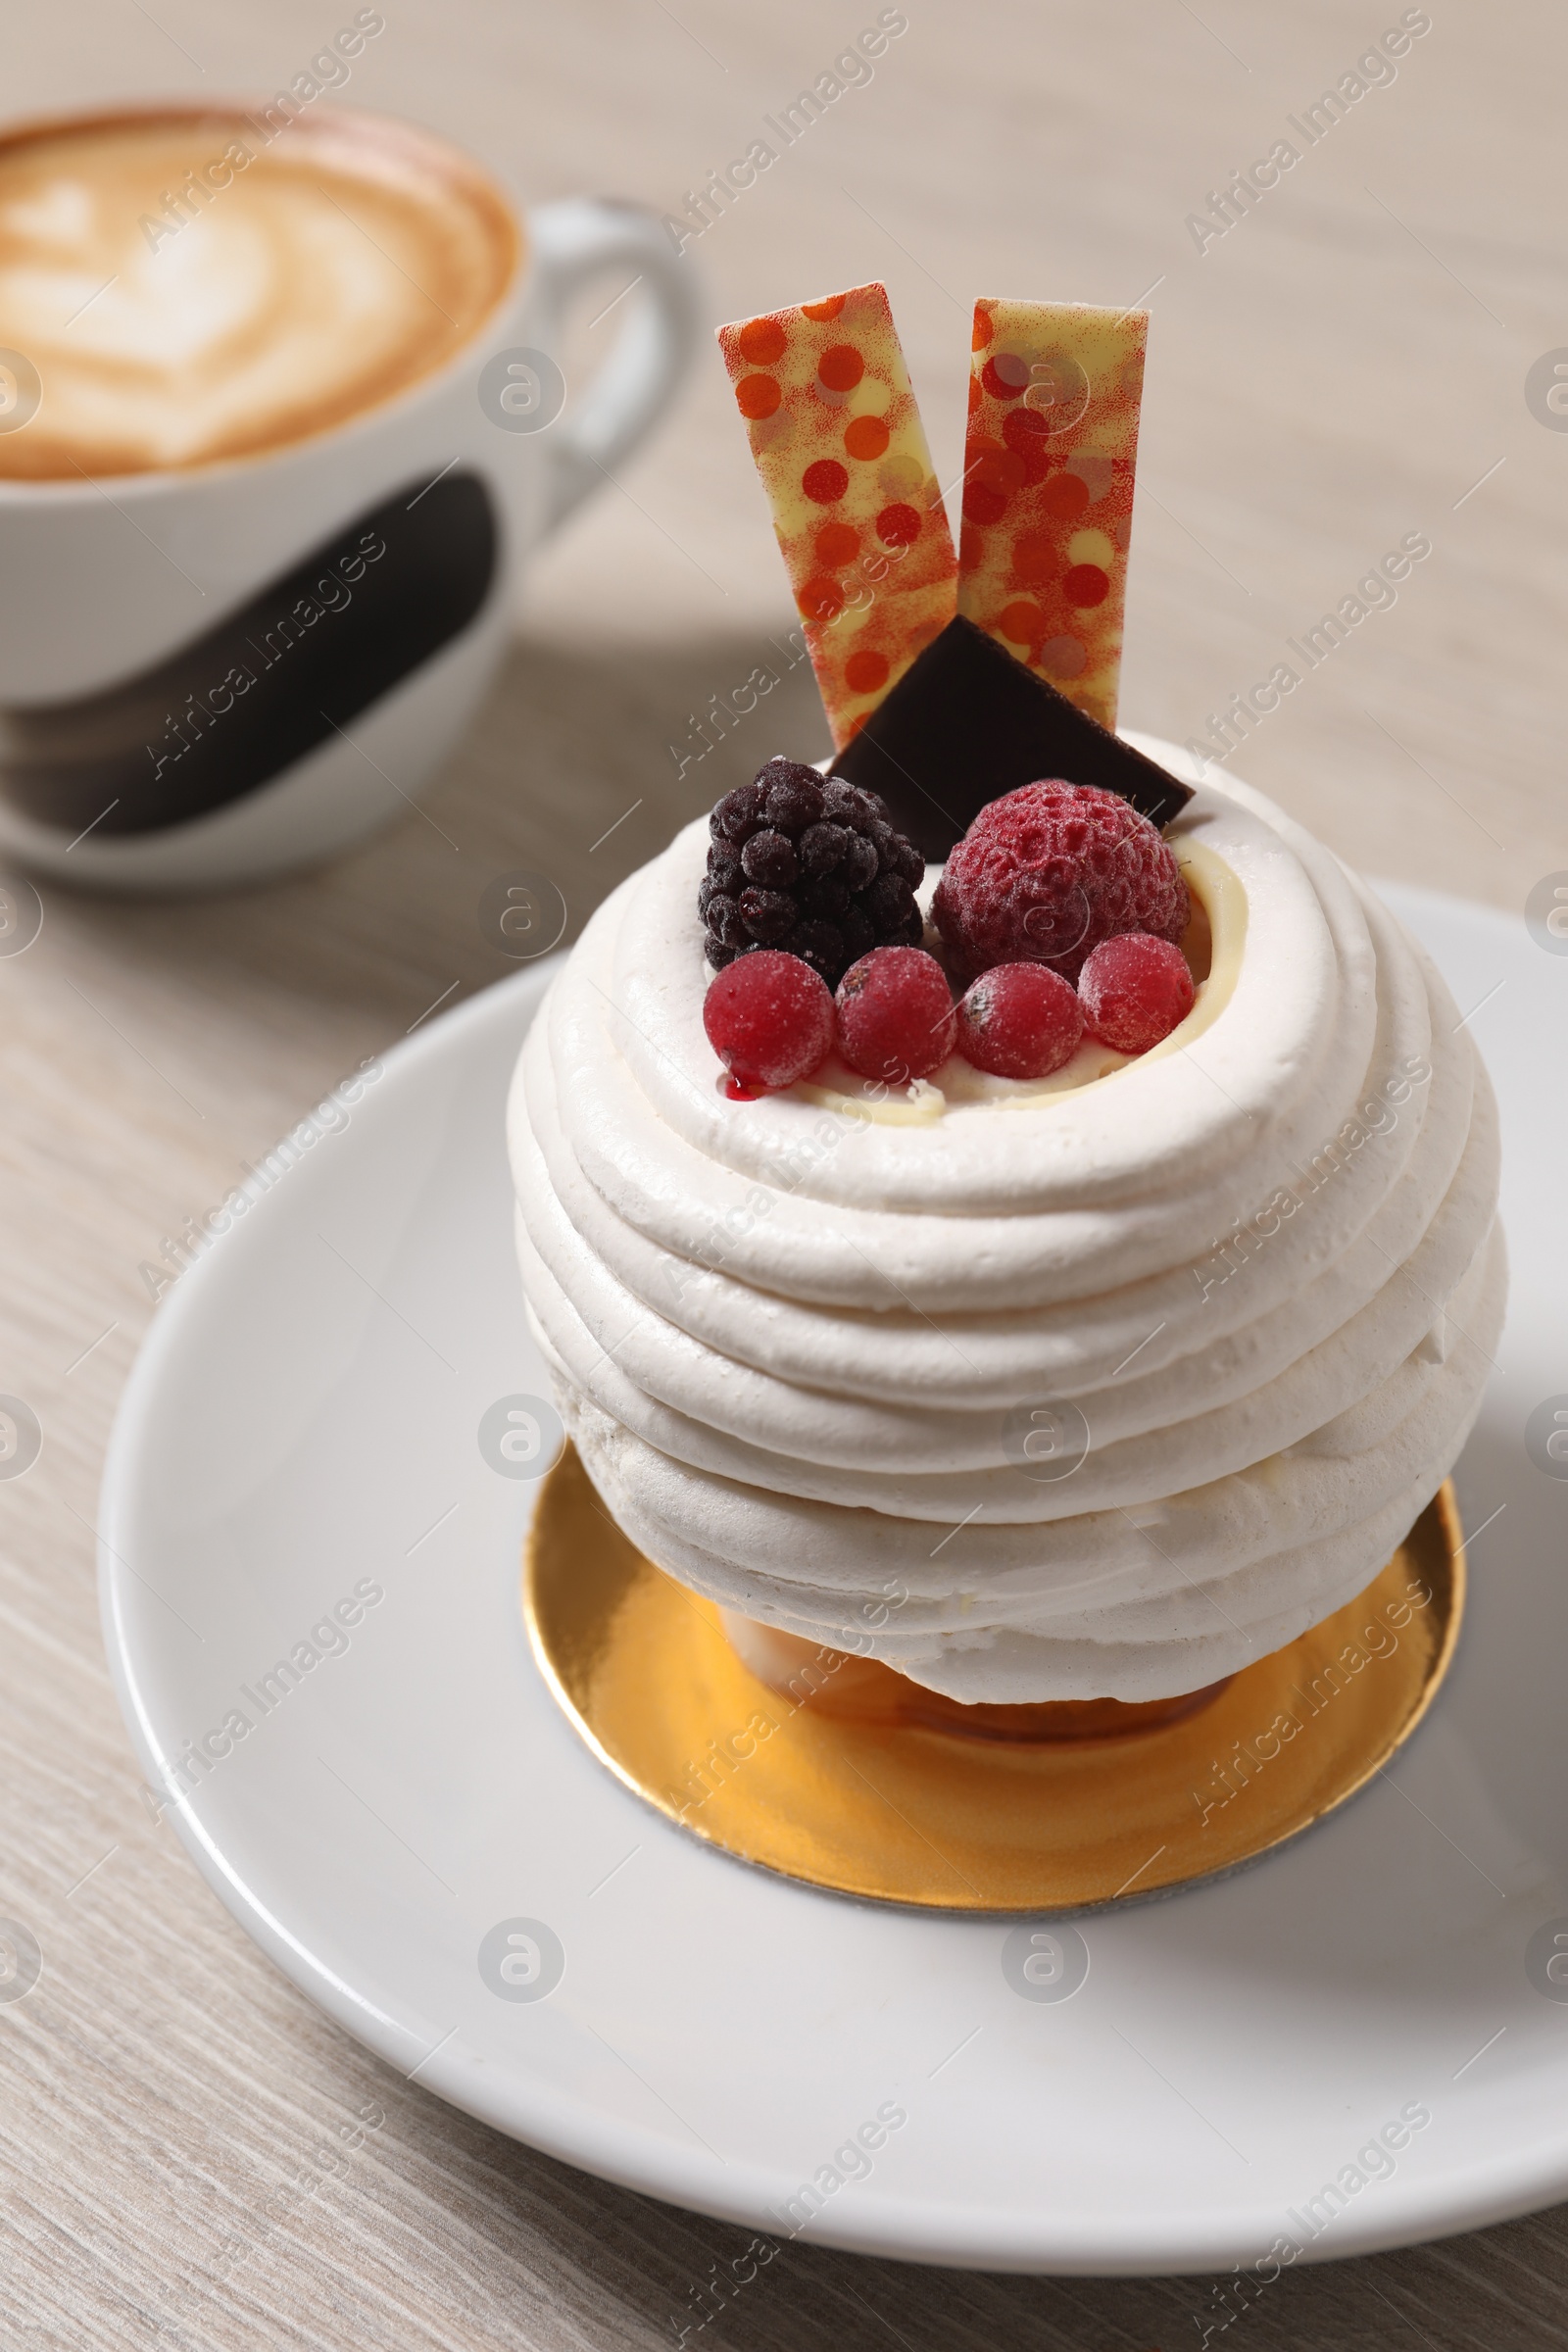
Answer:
[(896, 1016), (1133, 989), (812, 868), (1046, 872), (770, 1019), (1020, 1020)]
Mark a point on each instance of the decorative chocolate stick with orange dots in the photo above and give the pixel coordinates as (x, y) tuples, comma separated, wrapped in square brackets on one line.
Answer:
[(943, 692), (857, 509), (1048, 492)]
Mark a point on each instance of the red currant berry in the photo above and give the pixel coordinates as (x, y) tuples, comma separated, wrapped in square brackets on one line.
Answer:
[(896, 1016), (1134, 991), (770, 1019), (1020, 1020)]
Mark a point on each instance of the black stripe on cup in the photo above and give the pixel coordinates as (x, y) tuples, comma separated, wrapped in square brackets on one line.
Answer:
[(235, 707)]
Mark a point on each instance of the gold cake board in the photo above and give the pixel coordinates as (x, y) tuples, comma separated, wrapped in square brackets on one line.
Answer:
[(910, 1813)]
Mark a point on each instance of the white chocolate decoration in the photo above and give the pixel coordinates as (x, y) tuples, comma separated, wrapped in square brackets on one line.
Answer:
[(1032, 1394)]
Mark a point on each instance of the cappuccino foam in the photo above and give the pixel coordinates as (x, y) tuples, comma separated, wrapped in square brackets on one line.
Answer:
[(193, 287)]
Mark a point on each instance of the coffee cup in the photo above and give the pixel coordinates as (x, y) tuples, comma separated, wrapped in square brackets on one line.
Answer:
[(281, 421)]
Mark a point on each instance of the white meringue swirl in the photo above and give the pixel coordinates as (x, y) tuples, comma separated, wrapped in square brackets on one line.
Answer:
[(1248, 1288)]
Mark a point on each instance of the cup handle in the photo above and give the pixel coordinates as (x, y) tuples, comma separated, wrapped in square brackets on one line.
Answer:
[(574, 240)]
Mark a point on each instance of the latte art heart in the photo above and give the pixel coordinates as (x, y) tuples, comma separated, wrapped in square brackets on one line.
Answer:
[(190, 288)]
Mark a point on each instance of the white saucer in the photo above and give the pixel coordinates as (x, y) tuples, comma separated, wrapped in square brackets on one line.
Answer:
[(304, 1415)]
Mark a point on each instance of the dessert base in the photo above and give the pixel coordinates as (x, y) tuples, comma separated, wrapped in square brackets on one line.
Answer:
[(836, 1771)]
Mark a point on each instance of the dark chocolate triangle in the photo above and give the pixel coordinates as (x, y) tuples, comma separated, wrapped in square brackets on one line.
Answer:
[(967, 722)]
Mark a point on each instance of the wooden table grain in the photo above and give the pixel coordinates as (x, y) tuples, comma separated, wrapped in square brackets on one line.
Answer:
[(1344, 365)]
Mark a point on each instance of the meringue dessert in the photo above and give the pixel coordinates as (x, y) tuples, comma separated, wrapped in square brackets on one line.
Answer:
[(999, 1205), (1103, 1384)]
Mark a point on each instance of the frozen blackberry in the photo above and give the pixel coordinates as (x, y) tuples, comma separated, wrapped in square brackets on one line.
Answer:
[(739, 814), (794, 796), (808, 864), (767, 914), (771, 859)]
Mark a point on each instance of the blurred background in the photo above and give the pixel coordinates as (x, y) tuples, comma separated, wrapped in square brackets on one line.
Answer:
[(1339, 367)]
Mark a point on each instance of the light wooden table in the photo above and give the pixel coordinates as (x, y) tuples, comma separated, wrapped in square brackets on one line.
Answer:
[(1344, 366)]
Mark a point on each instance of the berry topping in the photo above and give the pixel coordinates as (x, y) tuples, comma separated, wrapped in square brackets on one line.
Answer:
[(767, 914), (770, 1019), (723, 867), (824, 846), (793, 795), (1020, 1020), (1133, 989), (771, 858), (739, 814), (1046, 872), (810, 866), (896, 1016)]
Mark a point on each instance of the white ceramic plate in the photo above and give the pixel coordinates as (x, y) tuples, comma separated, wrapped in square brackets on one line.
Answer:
[(304, 1418)]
